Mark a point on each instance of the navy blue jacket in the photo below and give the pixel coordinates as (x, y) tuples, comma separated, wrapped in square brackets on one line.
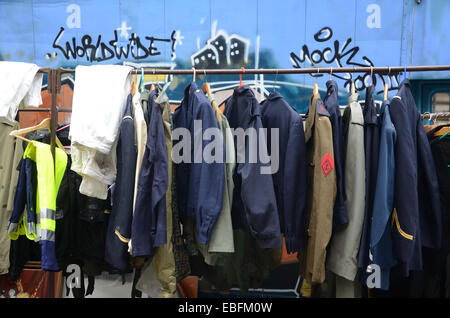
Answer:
[(290, 181), (371, 150), (331, 104), (148, 229), (199, 184), (25, 195), (380, 230), (417, 201), (119, 225), (254, 204)]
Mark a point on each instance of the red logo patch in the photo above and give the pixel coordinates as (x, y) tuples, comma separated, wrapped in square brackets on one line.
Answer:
[(327, 164)]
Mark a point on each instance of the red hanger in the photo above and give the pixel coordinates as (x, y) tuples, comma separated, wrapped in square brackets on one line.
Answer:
[(240, 76)]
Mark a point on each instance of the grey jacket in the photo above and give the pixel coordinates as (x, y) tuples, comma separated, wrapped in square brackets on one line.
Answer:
[(344, 245)]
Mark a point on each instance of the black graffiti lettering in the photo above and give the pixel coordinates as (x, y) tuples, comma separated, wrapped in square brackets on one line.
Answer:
[(106, 50), (86, 41), (104, 56), (342, 56), (138, 46), (328, 34), (151, 49)]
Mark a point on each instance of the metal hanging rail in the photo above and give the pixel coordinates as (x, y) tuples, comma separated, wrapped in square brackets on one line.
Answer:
[(329, 70)]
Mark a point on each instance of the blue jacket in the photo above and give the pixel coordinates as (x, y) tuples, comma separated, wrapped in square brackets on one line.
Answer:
[(290, 181), (371, 150), (380, 229), (25, 195), (148, 228), (254, 204), (119, 225), (199, 184), (331, 104), (417, 220)]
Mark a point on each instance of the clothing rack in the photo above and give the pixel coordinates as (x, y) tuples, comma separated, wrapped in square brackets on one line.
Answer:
[(54, 80)]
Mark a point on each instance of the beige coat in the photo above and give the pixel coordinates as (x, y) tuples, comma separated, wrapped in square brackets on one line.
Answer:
[(11, 152)]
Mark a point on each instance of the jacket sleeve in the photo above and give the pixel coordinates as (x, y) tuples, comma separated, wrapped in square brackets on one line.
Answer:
[(258, 197), (295, 188), (429, 199), (19, 204), (207, 178)]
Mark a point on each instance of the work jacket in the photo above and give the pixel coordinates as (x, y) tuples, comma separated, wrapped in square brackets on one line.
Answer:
[(417, 210), (254, 205), (322, 191), (290, 181), (331, 104), (344, 244), (371, 150), (119, 224), (383, 204), (148, 228), (199, 183)]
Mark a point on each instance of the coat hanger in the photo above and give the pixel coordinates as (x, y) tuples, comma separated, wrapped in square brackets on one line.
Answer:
[(141, 83), (152, 87), (43, 124), (193, 78), (206, 88), (352, 91), (444, 131), (240, 76), (316, 87), (331, 73), (386, 88)]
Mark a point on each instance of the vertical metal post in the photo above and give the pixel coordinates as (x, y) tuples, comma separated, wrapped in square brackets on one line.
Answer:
[(52, 80)]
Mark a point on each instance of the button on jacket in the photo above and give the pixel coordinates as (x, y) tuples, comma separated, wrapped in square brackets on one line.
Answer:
[(290, 181), (119, 226), (254, 205), (331, 104), (344, 245), (380, 230), (417, 213), (200, 185), (322, 192), (371, 149), (148, 228)]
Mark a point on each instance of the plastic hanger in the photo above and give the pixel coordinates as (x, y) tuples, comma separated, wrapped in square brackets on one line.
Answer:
[(43, 124), (352, 91), (386, 87), (316, 87), (193, 78), (141, 84), (240, 77)]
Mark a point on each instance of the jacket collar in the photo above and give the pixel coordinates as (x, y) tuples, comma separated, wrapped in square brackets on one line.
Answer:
[(353, 98), (405, 82), (332, 87), (247, 93), (273, 96)]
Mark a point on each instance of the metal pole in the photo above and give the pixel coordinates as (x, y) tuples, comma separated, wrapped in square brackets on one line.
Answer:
[(379, 70), (53, 112)]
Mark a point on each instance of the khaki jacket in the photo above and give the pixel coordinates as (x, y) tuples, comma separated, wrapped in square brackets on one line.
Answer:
[(322, 191), (11, 151)]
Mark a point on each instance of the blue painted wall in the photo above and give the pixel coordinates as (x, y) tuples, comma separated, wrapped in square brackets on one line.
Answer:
[(233, 33)]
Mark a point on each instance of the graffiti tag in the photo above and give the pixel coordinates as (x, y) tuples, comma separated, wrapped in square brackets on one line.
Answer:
[(100, 50), (343, 56)]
